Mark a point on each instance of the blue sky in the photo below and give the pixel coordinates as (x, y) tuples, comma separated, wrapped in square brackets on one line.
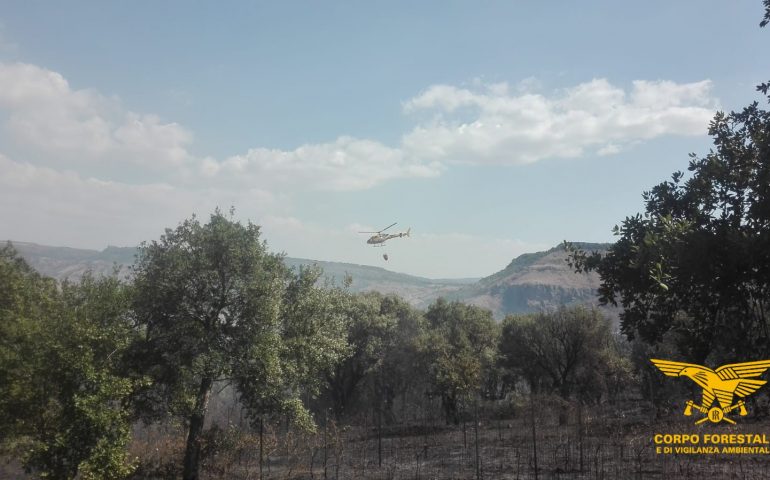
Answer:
[(491, 128)]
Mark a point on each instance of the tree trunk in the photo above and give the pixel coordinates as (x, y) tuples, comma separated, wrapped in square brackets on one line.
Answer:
[(534, 432), (193, 450), (451, 412)]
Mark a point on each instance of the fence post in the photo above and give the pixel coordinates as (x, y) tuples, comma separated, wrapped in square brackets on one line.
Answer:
[(379, 437), (580, 433), (476, 434), (365, 440), (326, 441), (534, 432)]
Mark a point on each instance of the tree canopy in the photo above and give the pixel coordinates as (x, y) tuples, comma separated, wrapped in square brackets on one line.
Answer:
[(382, 333), (215, 306), (569, 352), (696, 265), (460, 349), (64, 408)]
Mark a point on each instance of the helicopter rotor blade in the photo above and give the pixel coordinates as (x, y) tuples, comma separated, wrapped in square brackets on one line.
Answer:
[(388, 226)]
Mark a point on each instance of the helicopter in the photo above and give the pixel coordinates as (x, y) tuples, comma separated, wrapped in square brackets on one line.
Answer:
[(379, 238)]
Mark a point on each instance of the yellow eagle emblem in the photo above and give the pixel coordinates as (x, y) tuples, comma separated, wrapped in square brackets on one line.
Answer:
[(722, 384)]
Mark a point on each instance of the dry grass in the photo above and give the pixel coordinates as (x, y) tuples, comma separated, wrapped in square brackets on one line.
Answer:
[(608, 446)]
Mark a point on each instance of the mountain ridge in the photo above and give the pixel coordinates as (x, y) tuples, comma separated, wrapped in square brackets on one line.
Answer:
[(535, 281), (530, 282)]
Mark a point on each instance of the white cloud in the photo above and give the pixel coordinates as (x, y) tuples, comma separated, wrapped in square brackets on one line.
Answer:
[(69, 127), (57, 132), (47, 120), (45, 115), (345, 164), (63, 208), (53, 207), (48, 206), (492, 126), (609, 149)]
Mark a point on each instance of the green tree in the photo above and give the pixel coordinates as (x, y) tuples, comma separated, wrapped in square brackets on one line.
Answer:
[(697, 263), (313, 324), (695, 268), (381, 333), (460, 347), (400, 369), (367, 335), (64, 402), (570, 352), (214, 305)]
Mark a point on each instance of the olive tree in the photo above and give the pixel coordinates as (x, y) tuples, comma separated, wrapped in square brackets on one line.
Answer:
[(64, 403), (460, 347), (382, 333), (569, 351), (695, 266), (214, 305)]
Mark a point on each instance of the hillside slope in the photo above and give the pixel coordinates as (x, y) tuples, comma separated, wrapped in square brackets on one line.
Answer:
[(531, 282), (65, 262), (72, 263), (534, 282)]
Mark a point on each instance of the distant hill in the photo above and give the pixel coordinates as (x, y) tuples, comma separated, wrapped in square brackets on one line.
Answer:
[(72, 263), (419, 291), (531, 282), (534, 282)]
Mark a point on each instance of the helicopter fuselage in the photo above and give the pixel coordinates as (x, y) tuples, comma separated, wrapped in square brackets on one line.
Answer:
[(383, 237), (379, 238)]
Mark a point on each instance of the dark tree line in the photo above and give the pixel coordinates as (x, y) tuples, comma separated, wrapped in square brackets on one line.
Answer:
[(207, 305), (695, 266), (692, 273), (63, 407)]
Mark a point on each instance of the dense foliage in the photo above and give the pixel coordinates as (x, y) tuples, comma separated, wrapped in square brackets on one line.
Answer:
[(570, 352), (460, 349), (696, 265), (64, 404), (210, 308), (213, 305), (382, 333)]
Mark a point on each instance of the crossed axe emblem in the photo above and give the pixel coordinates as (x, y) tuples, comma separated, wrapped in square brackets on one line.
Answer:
[(715, 414)]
